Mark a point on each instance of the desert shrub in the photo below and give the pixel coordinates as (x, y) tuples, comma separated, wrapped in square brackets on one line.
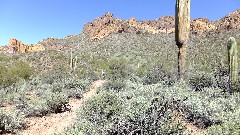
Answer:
[(3, 71), (114, 86), (4, 58), (157, 118), (200, 81), (12, 121), (118, 69), (15, 93), (227, 128), (76, 87), (72, 86), (22, 69), (156, 74), (12, 73), (49, 102), (36, 107), (57, 102), (221, 77), (133, 111), (141, 70), (102, 108), (89, 75), (96, 114)]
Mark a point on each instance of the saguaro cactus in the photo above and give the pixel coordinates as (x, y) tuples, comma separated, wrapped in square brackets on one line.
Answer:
[(232, 61), (182, 31), (73, 61)]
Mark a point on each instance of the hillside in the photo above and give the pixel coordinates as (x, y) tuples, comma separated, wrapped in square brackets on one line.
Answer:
[(140, 93)]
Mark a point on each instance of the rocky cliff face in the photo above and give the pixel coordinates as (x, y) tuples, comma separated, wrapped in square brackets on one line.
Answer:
[(16, 46), (107, 24)]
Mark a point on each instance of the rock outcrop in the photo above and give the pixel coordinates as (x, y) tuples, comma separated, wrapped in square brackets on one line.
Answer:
[(201, 25), (107, 24), (16, 46), (229, 22)]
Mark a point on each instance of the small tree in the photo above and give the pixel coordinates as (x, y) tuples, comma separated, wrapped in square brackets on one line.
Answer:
[(182, 31)]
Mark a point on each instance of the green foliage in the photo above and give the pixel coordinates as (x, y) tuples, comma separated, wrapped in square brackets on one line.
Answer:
[(12, 121), (114, 86), (36, 107), (4, 58), (101, 108), (157, 118), (118, 69), (157, 74), (10, 74), (141, 70), (200, 81), (96, 114), (57, 102)]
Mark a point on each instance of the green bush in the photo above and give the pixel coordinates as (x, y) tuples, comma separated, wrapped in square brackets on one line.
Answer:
[(101, 108), (114, 86), (36, 107), (96, 114), (157, 74), (12, 73), (157, 118), (12, 121), (118, 70), (57, 102), (200, 81)]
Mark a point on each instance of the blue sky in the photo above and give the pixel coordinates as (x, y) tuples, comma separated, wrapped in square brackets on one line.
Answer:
[(33, 20)]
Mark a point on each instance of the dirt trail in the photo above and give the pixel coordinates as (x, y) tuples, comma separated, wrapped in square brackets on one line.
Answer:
[(55, 123), (190, 128)]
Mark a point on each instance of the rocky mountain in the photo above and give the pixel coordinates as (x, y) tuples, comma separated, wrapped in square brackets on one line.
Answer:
[(107, 24)]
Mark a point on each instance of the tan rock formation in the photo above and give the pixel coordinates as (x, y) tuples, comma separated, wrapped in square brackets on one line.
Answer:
[(35, 48), (16, 46), (202, 25)]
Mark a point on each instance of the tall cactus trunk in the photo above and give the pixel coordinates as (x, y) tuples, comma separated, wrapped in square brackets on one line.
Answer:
[(181, 61), (182, 31), (71, 59), (232, 62)]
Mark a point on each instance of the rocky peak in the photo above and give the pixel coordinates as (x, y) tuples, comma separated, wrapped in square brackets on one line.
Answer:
[(107, 24)]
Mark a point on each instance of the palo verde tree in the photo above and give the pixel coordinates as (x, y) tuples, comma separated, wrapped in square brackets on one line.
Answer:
[(182, 32)]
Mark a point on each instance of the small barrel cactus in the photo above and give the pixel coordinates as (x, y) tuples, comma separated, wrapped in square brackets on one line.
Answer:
[(232, 61)]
